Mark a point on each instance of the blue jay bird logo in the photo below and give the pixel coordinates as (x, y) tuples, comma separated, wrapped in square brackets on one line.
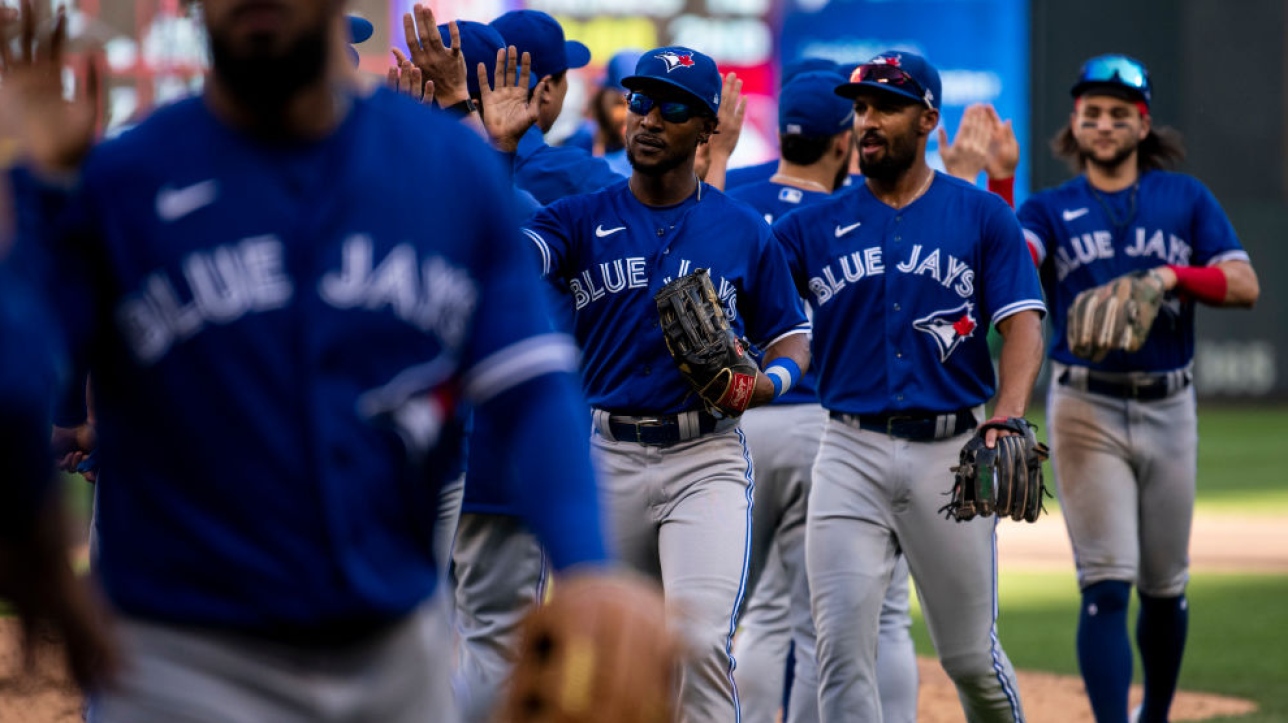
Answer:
[(675, 60), (949, 328)]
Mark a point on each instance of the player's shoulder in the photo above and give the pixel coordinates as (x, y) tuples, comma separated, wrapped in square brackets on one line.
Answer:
[(1172, 183), (1072, 191), (823, 212), (577, 203), (953, 188), (159, 137), (718, 204)]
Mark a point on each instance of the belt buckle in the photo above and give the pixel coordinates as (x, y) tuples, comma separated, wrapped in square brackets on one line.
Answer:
[(894, 419), (643, 422)]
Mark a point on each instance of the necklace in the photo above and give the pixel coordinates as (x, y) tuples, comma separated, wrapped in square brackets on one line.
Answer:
[(1118, 224), (630, 183), (921, 192), (783, 178)]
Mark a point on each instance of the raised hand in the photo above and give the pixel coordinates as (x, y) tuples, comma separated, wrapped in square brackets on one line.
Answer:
[(1003, 148), (967, 155), (443, 64), (405, 78), (508, 111), (54, 134)]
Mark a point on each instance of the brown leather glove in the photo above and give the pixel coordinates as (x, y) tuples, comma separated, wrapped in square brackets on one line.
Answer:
[(600, 650)]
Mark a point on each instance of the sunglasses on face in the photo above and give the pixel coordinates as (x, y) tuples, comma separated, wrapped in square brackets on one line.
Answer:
[(673, 111), (1115, 69), (890, 75)]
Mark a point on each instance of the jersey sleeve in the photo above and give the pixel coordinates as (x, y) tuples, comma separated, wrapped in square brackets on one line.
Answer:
[(1036, 225), (547, 231), (773, 309), (1010, 281), (1213, 235)]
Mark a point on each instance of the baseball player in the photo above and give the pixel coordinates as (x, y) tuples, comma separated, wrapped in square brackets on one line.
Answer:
[(762, 171), (677, 480), (548, 172), (278, 328), (816, 138), (903, 273), (1123, 429)]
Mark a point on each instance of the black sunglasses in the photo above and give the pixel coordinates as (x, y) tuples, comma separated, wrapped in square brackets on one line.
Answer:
[(890, 75), (673, 111)]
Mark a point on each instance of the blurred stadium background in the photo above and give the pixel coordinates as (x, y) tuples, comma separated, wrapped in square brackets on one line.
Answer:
[(1220, 73)]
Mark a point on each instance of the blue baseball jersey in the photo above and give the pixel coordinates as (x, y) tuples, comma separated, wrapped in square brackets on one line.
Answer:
[(613, 253), (747, 175), (249, 309), (903, 298), (773, 201), (551, 172), (1083, 238)]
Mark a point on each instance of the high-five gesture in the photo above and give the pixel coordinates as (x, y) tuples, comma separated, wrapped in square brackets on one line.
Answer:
[(52, 133), (508, 112), (443, 64)]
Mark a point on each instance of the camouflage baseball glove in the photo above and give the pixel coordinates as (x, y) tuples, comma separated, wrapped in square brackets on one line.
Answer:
[(600, 650), (1116, 315), (1005, 480), (703, 345)]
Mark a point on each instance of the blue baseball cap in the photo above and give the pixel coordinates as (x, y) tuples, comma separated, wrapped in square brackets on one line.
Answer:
[(682, 68), (808, 107), (479, 43), (360, 30), (807, 65), (1115, 71), (619, 66), (898, 72), (540, 35)]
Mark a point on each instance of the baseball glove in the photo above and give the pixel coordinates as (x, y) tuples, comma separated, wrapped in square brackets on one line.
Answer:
[(600, 650), (703, 345), (1005, 480), (1115, 315)]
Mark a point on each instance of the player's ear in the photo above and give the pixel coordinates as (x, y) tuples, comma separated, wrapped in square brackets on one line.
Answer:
[(710, 125), (929, 121), (1146, 125), (841, 143)]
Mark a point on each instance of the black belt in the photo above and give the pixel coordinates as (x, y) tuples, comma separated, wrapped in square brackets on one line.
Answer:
[(915, 426), (657, 430), (1143, 388)]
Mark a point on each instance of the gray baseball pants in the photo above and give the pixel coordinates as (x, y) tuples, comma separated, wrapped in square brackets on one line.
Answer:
[(875, 496)]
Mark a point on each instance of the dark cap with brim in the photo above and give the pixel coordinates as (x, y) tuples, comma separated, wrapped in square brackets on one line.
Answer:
[(683, 69)]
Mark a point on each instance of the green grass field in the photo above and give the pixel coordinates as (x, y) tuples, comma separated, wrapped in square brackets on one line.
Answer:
[(1238, 623)]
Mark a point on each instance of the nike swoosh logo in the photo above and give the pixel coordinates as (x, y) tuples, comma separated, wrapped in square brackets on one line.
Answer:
[(1075, 214), (842, 230), (601, 232), (175, 203)]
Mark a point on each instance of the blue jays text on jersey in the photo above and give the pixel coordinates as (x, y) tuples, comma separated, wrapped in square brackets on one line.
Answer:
[(1083, 238), (243, 308), (614, 253), (914, 288)]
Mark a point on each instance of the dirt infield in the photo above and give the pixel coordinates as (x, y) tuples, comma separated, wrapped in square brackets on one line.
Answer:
[(1219, 543)]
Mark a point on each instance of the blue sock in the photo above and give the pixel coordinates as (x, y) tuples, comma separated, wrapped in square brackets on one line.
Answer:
[(1104, 649), (1160, 635)]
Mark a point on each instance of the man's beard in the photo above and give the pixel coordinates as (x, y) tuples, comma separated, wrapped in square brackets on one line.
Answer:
[(660, 167), (1116, 161), (900, 154), (264, 81)]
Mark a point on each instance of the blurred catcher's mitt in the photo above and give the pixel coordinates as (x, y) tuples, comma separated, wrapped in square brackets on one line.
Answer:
[(1006, 480), (600, 650), (1115, 315), (703, 345)]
